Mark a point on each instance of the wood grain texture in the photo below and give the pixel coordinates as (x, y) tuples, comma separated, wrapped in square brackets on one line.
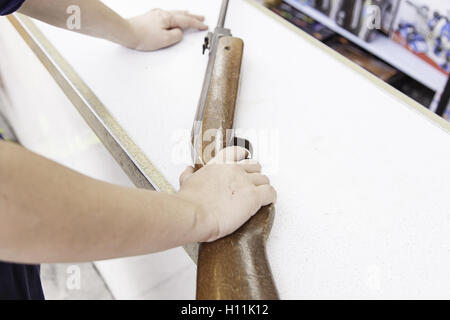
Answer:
[(234, 267), (222, 95)]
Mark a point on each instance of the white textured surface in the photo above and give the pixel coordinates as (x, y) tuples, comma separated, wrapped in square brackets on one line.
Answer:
[(363, 179)]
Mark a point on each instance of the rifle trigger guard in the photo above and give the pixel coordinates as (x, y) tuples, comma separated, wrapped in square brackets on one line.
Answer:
[(244, 143)]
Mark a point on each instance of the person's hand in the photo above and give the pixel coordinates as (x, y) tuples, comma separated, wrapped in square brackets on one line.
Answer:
[(228, 191), (158, 29)]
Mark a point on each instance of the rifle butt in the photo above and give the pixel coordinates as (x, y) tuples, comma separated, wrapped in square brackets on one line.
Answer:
[(236, 267)]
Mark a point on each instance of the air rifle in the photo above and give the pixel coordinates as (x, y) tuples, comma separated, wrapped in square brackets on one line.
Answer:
[(234, 267)]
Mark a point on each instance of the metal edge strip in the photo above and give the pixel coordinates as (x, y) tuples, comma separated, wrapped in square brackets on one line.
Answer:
[(409, 102), (127, 154)]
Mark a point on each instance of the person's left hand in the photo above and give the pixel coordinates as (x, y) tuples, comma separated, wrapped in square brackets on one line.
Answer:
[(159, 29)]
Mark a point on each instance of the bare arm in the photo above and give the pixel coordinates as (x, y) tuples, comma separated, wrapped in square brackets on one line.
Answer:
[(151, 31), (49, 213)]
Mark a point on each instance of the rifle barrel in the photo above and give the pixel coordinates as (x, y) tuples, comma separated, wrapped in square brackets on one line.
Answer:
[(223, 14)]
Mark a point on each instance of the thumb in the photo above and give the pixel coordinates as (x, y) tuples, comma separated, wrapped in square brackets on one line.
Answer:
[(230, 155)]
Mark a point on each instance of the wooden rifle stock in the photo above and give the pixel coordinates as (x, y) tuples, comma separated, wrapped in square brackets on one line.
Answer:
[(234, 267)]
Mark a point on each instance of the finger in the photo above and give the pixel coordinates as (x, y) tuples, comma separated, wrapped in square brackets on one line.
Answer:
[(259, 179), (187, 13), (186, 174), (173, 36), (196, 16), (248, 161), (266, 194), (185, 22), (230, 155), (250, 165)]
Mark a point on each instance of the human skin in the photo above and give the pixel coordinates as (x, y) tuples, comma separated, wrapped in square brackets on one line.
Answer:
[(150, 31), (50, 213)]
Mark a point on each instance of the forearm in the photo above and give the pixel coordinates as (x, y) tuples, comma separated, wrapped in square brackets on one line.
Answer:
[(49, 213), (97, 19)]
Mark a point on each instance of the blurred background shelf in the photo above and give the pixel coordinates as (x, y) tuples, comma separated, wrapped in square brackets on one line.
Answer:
[(385, 49)]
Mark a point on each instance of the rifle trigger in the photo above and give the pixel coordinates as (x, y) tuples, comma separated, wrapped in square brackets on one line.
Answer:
[(244, 143)]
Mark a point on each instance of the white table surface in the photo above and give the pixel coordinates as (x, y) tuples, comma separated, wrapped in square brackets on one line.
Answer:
[(363, 178)]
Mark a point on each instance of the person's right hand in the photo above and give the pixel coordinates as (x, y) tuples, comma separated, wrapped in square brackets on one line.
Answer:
[(227, 192)]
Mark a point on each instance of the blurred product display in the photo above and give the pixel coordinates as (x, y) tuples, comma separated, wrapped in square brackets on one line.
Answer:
[(389, 10), (360, 17), (304, 22), (421, 27), (363, 58), (350, 16), (324, 6), (413, 89), (425, 30)]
